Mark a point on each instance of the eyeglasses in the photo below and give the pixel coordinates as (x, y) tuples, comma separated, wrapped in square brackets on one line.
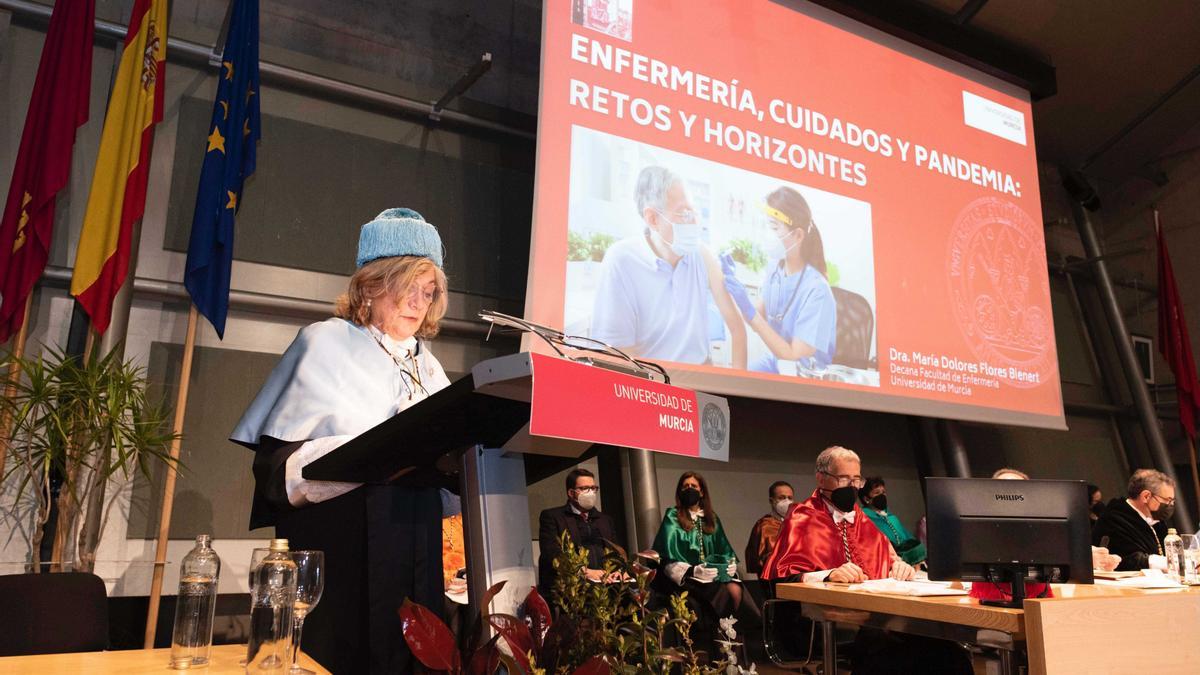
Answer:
[(416, 292), (843, 481), (587, 489), (1168, 502), (685, 216)]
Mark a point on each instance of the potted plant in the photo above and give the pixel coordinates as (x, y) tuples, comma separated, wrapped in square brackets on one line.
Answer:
[(81, 421), (595, 629), (748, 257)]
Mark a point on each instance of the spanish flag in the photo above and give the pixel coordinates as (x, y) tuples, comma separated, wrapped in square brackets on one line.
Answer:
[(118, 195)]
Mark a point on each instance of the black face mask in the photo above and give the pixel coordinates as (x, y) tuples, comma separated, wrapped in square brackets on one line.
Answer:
[(843, 498), (689, 497), (879, 502), (1164, 512)]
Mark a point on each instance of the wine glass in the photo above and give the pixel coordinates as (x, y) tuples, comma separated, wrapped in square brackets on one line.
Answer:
[(310, 582), (256, 558)]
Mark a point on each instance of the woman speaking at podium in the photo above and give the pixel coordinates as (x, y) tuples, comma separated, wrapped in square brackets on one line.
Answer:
[(796, 315), (339, 378)]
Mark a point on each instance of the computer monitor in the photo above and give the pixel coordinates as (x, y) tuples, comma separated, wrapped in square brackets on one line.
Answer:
[(1008, 531)]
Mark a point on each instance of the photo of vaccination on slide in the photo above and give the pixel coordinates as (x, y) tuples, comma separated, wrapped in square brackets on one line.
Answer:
[(773, 201), (744, 222)]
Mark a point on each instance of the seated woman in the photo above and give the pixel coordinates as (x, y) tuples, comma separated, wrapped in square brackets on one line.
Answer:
[(873, 494), (693, 551)]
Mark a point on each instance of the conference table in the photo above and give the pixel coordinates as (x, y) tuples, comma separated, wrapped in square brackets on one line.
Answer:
[(223, 659), (1084, 628)]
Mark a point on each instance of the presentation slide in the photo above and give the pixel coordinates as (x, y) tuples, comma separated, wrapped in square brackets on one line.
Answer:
[(774, 201)]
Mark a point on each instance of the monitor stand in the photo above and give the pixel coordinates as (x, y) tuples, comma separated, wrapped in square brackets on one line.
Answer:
[(1014, 576)]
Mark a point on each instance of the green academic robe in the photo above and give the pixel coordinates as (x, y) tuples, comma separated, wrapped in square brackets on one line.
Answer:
[(910, 549), (675, 544)]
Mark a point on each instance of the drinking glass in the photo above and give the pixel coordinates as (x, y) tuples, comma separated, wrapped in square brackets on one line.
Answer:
[(310, 583), (1191, 558)]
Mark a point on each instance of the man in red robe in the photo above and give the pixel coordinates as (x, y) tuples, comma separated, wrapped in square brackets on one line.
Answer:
[(827, 537)]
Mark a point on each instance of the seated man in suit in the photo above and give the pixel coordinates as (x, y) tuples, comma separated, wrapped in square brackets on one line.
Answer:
[(1136, 524), (587, 526)]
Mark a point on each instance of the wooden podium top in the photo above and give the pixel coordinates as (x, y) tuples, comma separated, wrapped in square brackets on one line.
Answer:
[(1084, 628), (223, 659)]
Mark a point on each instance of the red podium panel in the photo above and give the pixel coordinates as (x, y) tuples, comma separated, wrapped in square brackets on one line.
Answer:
[(537, 405), (578, 402)]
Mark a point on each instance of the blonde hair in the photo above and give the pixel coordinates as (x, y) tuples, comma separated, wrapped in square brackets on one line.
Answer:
[(393, 275)]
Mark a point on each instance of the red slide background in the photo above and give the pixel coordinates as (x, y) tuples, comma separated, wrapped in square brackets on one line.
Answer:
[(950, 256)]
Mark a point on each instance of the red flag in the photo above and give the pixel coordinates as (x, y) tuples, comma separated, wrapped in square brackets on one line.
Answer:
[(1173, 340), (58, 106)]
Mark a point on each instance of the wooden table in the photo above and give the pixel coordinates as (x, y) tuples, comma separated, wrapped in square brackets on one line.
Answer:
[(224, 659), (1084, 628)]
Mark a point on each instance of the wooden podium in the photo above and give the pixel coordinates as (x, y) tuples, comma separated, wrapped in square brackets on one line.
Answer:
[(517, 419)]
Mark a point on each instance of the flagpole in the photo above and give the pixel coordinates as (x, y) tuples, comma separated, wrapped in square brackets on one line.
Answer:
[(168, 502), (14, 372), (1192, 457)]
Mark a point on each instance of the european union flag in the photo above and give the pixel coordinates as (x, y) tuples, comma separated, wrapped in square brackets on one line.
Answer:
[(228, 161)]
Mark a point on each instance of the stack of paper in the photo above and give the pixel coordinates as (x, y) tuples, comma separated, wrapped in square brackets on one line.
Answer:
[(894, 587), (1149, 578)]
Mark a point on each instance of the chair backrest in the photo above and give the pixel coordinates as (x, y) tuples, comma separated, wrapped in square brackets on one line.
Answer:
[(53, 613), (855, 329)]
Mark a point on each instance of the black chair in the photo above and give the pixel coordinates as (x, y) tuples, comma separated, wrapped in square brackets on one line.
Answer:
[(855, 329), (53, 613)]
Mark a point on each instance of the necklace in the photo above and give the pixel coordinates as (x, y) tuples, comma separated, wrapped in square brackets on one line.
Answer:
[(413, 373)]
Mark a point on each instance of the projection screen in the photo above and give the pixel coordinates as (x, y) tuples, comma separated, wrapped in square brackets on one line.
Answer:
[(774, 201)]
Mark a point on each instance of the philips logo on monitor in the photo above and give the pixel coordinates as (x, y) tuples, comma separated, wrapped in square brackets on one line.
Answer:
[(1010, 498)]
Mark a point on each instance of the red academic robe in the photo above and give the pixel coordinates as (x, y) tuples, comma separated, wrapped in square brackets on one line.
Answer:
[(809, 541)]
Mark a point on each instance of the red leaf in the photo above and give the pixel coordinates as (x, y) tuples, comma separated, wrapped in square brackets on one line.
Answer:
[(428, 638), (593, 666), (516, 634), (485, 659), (485, 604), (538, 613)]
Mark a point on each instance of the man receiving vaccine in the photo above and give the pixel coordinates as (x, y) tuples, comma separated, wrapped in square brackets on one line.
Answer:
[(652, 299)]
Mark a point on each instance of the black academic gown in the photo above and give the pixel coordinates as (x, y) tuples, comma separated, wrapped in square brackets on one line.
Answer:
[(382, 543), (1129, 536)]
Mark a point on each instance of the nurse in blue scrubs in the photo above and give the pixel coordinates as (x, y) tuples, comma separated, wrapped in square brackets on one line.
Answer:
[(796, 314)]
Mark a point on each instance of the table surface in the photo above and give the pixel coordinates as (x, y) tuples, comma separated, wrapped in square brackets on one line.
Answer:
[(224, 659), (958, 609)]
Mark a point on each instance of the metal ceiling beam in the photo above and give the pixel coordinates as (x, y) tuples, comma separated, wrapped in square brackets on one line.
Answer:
[(195, 53), (968, 11), (940, 33)]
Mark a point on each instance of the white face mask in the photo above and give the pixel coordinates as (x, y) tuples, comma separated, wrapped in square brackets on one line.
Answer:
[(774, 247), (686, 236), (586, 500), (782, 506)]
